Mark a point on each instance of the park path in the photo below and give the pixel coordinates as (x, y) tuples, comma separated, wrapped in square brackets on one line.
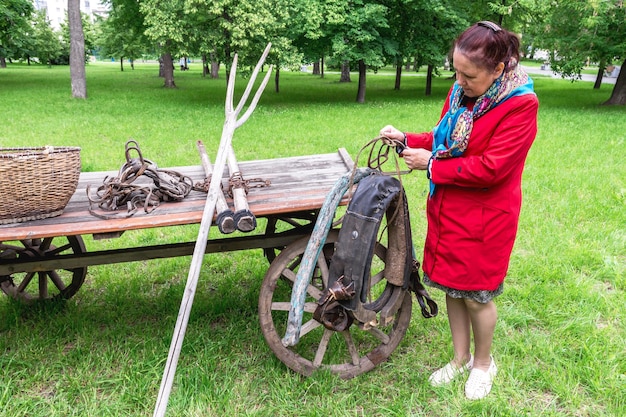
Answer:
[(585, 77)]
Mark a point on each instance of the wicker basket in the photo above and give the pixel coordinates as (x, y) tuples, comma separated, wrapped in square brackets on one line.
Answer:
[(36, 183)]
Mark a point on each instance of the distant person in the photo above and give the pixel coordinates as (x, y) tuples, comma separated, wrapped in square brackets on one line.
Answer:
[(474, 159), (183, 63)]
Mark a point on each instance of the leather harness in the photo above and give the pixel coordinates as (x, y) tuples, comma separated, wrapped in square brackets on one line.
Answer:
[(349, 274)]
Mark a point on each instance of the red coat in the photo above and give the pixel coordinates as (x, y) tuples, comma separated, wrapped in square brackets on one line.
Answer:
[(474, 212)]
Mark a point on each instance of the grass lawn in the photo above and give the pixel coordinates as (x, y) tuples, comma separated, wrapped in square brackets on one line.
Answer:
[(560, 340)]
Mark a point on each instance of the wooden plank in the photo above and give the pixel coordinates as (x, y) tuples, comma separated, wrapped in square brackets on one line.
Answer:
[(299, 183), (169, 250)]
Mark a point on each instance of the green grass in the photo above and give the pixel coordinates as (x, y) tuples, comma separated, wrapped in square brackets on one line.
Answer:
[(559, 342)]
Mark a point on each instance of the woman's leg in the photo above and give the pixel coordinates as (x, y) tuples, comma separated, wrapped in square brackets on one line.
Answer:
[(483, 319), (459, 320)]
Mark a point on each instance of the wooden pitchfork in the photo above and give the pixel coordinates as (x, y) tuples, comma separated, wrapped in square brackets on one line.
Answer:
[(231, 123)]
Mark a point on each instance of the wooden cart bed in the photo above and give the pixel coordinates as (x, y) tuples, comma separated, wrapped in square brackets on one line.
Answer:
[(296, 184)]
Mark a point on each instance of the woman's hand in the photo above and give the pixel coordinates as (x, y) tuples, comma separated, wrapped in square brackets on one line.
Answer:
[(416, 158), (392, 133)]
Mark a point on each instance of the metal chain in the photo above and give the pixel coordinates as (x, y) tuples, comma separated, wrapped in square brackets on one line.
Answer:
[(236, 181)]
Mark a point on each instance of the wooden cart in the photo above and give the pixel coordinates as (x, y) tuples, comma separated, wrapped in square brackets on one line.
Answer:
[(45, 259)]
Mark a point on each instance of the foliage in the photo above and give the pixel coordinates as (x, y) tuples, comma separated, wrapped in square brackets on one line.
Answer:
[(47, 46), (372, 33), (15, 17), (165, 23), (583, 30), (122, 33), (245, 28), (356, 33)]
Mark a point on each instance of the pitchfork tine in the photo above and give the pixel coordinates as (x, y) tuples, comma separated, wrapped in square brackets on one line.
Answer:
[(231, 88), (256, 98), (257, 68)]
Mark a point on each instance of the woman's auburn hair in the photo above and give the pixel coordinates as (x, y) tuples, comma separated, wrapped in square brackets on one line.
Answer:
[(487, 46)]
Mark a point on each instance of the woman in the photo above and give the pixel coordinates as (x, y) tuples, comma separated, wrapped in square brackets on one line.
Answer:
[(474, 159)]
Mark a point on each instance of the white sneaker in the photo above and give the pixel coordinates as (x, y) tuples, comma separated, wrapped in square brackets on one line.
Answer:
[(446, 374), (479, 383)]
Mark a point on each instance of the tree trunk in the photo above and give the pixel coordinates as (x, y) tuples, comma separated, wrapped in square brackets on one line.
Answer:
[(398, 76), (316, 68), (599, 75), (168, 71), (277, 79), (3, 62), (122, 63), (132, 64), (360, 95), (429, 79), (322, 67), (618, 96), (215, 67), (345, 72), (205, 66), (77, 50)]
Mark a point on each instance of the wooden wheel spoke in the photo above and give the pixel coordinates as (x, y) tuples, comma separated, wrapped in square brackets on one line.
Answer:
[(5, 247), (289, 274), (46, 244), (29, 243), (379, 334), (321, 349), (43, 285), (293, 265), (311, 290), (309, 326), (323, 270), (27, 279), (354, 353), (56, 279), (375, 279), (286, 306), (58, 250), (292, 222)]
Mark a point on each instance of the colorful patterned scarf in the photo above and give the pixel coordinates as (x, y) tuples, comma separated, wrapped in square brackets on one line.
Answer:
[(452, 133)]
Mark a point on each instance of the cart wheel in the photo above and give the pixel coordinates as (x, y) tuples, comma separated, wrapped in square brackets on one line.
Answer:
[(347, 354), (34, 286), (298, 222)]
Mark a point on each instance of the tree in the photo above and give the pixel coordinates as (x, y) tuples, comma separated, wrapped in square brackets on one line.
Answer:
[(281, 33), (167, 25), (222, 27), (586, 30), (122, 33), (77, 50), (312, 40), (357, 37), (46, 44), (423, 31), (15, 18)]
